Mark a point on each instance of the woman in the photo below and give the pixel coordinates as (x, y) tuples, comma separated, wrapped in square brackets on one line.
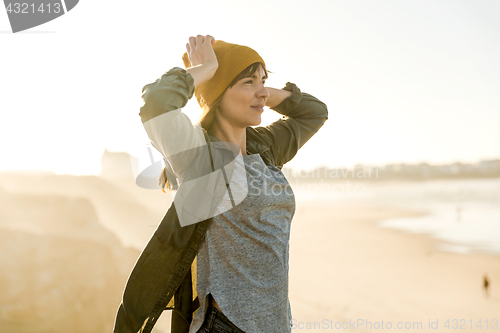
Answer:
[(242, 262)]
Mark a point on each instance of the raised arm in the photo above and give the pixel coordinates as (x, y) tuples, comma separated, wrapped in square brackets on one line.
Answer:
[(303, 116), (169, 129)]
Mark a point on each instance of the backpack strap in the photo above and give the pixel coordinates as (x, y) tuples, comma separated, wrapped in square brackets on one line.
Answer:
[(184, 305), (209, 148)]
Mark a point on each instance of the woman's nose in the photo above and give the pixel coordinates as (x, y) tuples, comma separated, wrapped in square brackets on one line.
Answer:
[(262, 92)]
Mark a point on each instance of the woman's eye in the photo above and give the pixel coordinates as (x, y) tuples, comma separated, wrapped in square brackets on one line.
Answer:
[(250, 81)]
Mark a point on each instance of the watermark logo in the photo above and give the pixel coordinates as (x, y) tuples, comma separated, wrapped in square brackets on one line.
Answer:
[(24, 15), (202, 193), (148, 178)]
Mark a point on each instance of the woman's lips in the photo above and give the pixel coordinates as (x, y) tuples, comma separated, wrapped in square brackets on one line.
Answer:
[(260, 108)]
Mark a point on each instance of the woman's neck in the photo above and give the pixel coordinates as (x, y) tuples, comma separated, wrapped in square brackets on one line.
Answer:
[(236, 137)]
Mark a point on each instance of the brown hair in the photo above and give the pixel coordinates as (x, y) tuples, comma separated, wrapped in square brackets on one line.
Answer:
[(206, 119)]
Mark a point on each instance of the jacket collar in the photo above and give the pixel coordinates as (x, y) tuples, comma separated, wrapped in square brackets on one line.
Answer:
[(253, 146), (256, 145)]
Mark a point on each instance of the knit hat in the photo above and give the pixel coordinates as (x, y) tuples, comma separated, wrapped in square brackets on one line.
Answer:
[(232, 59)]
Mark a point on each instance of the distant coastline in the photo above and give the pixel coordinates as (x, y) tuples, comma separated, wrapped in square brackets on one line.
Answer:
[(421, 171)]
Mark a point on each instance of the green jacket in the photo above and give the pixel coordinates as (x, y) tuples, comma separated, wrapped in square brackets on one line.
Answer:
[(164, 276)]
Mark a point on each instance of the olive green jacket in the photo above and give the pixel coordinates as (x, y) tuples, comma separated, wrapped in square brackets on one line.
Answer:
[(164, 276)]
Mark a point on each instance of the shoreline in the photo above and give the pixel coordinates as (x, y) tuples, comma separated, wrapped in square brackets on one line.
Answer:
[(344, 267), (441, 244), (448, 203)]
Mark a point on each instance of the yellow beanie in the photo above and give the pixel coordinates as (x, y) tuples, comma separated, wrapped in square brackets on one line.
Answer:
[(232, 59)]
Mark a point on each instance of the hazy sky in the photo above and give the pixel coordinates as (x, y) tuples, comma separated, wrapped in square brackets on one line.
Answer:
[(404, 81)]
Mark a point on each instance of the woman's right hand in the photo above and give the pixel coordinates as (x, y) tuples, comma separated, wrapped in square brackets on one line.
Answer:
[(200, 51), (202, 58)]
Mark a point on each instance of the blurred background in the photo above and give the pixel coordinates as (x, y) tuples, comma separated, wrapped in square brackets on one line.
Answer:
[(398, 195)]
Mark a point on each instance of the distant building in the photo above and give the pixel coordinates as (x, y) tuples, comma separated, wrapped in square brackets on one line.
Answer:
[(420, 171), (489, 167), (118, 165), (424, 170)]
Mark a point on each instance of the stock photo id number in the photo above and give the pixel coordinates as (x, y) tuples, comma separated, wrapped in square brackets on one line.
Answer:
[(24, 15)]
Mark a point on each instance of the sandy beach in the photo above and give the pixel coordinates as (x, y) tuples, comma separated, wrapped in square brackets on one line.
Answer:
[(346, 272), (344, 269)]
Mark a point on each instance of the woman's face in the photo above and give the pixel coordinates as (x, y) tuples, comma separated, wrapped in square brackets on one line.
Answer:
[(243, 104)]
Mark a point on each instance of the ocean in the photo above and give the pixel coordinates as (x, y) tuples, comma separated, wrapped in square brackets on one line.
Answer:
[(463, 214)]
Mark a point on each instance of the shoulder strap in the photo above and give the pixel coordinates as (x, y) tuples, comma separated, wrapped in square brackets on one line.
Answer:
[(184, 305), (209, 148), (223, 172)]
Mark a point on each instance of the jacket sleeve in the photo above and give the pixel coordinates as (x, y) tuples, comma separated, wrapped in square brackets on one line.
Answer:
[(171, 132), (303, 116)]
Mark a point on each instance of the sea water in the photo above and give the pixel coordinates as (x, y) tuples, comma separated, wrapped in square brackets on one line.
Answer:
[(464, 214)]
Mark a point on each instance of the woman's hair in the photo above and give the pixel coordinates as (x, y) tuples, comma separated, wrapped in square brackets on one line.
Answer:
[(206, 119)]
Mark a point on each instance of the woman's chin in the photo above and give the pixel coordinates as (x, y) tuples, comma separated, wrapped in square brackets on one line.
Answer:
[(257, 123), (256, 120)]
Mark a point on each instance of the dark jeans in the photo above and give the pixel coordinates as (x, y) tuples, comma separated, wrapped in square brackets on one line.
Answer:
[(216, 322)]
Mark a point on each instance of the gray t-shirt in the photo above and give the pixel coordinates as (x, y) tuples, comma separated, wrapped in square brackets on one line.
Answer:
[(243, 261)]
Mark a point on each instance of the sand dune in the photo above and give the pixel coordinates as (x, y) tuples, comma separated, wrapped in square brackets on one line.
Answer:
[(60, 269), (57, 284), (130, 212)]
